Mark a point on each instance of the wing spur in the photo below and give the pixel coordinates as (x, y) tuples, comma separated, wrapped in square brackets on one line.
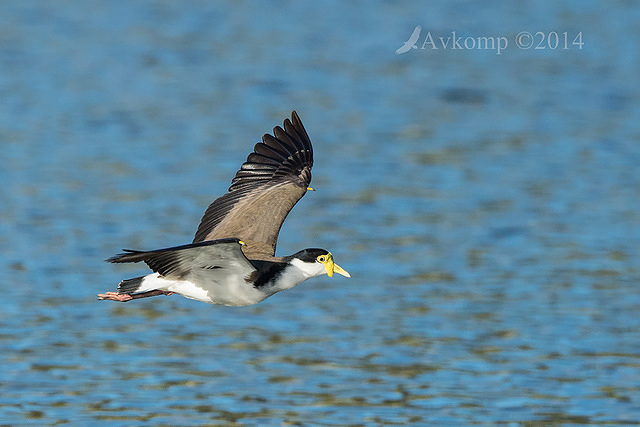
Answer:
[(267, 186)]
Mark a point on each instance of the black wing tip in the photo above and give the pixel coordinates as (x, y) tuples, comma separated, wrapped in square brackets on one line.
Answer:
[(124, 256), (287, 152), (293, 137), (295, 119), (299, 127)]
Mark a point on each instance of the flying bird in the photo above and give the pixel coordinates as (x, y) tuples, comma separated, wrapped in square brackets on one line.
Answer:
[(231, 260), (411, 43)]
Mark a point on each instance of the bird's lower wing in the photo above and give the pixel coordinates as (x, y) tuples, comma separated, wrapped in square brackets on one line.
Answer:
[(223, 256)]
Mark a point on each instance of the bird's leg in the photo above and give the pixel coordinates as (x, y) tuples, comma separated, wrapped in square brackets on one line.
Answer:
[(150, 294), (114, 296)]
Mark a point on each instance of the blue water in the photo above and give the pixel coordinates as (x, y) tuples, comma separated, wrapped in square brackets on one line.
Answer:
[(487, 206)]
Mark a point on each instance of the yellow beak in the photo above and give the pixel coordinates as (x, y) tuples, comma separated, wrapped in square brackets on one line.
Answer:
[(332, 267)]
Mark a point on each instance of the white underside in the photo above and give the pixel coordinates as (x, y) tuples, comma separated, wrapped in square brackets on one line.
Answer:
[(234, 291)]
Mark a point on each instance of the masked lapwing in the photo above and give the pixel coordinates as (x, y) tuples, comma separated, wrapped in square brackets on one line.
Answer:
[(231, 260)]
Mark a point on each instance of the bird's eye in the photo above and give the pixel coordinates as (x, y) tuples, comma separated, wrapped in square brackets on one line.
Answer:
[(322, 258)]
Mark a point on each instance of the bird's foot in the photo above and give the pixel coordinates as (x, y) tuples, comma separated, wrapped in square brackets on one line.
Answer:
[(114, 296)]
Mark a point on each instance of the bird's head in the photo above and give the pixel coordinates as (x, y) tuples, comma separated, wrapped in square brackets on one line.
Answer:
[(315, 262)]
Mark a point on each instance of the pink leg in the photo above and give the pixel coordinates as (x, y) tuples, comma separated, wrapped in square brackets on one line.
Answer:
[(114, 296)]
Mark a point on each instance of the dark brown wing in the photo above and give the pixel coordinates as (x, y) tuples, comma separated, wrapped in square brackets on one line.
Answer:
[(267, 186)]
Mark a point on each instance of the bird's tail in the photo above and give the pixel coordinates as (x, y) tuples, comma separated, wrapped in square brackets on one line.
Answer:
[(130, 286)]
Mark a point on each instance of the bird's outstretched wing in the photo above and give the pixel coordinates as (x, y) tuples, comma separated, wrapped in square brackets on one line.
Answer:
[(267, 186)]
